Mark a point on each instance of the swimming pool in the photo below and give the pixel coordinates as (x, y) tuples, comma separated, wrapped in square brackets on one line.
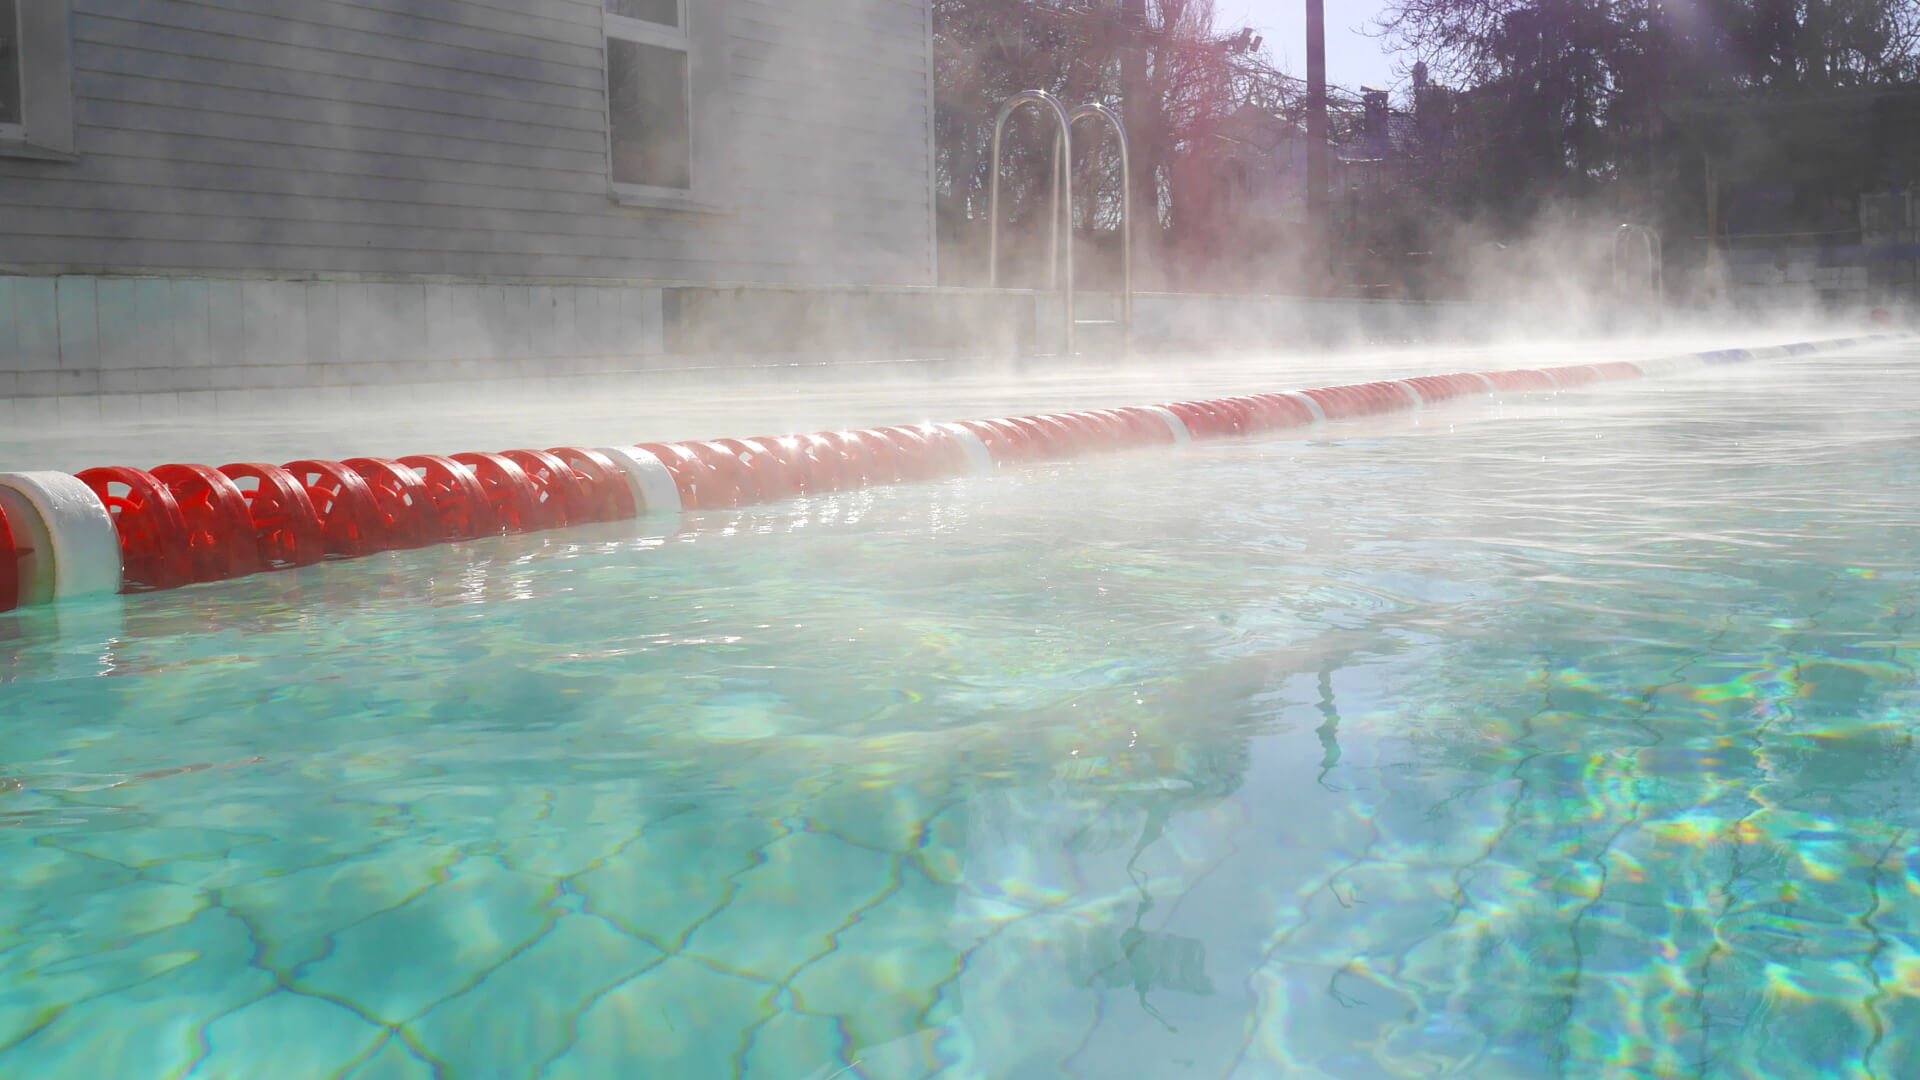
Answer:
[(1565, 738)]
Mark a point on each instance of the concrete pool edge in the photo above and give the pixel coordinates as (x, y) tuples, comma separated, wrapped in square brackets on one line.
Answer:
[(186, 524)]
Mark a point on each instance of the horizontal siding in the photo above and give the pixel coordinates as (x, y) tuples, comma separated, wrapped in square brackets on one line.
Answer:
[(325, 87), (467, 137)]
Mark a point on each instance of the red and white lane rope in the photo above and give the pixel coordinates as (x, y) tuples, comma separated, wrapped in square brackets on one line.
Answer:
[(117, 528)]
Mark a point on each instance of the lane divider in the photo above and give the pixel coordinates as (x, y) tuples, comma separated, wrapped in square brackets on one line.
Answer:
[(120, 529)]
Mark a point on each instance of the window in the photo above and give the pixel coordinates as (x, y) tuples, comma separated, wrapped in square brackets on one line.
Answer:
[(651, 111), (36, 87), (664, 100), (11, 114)]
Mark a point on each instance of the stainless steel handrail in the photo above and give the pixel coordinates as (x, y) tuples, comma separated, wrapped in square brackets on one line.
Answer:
[(1061, 164), (1649, 239), (1063, 191)]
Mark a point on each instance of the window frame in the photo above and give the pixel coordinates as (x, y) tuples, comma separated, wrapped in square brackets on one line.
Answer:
[(700, 36), (45, 130)]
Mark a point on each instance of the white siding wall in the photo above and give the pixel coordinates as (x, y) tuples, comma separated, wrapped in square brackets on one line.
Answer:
[(468, 138)]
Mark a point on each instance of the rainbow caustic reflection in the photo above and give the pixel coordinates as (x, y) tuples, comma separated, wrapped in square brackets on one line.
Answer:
[(1569, 738)]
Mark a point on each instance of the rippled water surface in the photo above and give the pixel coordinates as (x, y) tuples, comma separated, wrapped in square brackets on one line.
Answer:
[(1568, 737)]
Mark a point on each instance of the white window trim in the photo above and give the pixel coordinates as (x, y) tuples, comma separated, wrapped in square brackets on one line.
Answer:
[(46, 84), (701, 36)]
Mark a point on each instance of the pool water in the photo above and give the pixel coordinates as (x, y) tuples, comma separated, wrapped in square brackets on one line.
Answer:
[(1572, 737)]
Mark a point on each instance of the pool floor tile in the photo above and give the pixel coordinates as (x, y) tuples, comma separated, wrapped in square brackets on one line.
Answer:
[(523, 1013), (162, 845), (675, 874), (152, 1027), (679, 1019), (392, 1061), (103, 919), (285, 1034), (298, 913), (796, 1045), (885, 977), (787, 908), (449, 936)]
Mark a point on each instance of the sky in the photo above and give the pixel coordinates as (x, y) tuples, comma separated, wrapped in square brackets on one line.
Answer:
[(1352, 57)]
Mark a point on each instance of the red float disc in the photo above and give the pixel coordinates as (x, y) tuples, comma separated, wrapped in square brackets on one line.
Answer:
[(405, 505), (1148, 427), (908, 454), (286, 527), (812, 472), (767, 477), (1292, 411), (1200, 423), (1576, 375), (1524, 379), (1114, 434), (516, 502), (609, 495), (699, 488), (947, 449), (727, 483), (857, 468), (219, 527), (10, 556), (1070, 439), (561, 493), (1041, 442), (154, 548), (1029, 442), (1000, 447), (831, 464), (887, 462), (1434, 389), (459, 502), (1233, 416), (351, 522), (1253, 414), (1335, 403)]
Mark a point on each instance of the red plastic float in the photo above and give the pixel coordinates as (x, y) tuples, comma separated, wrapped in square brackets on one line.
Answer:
[(561, 494), (691, 475), (350, 520), (286, 526), (10, 556), (403, 503), (220, 534), (1434, 389), (858, 468), (608, 498), (187, 523), (1521, 380), (460, 505), (821, 470), (155, 547), (513, 503)]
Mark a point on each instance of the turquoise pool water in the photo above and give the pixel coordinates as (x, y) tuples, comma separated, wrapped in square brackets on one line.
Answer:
[(1568, 738)]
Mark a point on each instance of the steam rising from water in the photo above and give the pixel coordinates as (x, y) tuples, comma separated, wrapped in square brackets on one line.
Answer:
[(781, 396)]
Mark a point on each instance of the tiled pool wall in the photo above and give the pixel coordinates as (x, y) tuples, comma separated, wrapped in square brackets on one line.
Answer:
[(79, 346)]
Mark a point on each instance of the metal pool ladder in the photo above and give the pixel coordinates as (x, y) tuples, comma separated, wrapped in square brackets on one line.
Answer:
[(1062, 208), (1625, 238)]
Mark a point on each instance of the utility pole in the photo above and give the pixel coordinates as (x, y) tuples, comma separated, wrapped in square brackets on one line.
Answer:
[(1317, 217), (1134, 111)]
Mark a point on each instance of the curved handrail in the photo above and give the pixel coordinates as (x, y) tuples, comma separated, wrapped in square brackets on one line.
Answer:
[(1655, 261), (1050, 105), (1094, 110)]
